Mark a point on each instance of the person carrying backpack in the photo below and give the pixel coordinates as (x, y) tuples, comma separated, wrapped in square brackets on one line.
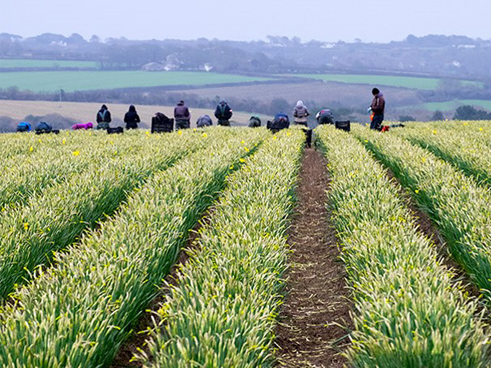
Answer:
[(204, 121), (254, 122), (300, 113), (182, 116), (324, 117), (131, 118), (103, 118), (223, 113)]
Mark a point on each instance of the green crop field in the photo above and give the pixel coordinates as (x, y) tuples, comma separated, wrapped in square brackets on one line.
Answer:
[(27, 63), (92, 80), (382, 80), (452, 105), (185, 238)]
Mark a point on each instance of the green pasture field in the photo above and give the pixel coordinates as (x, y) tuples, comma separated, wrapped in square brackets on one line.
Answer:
[(452, 105), (382, 80), (25, 63), (95, 80)]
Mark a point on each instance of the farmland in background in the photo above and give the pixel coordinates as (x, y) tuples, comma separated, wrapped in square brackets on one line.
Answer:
[(385, 80), (37, 64), (94, 80)]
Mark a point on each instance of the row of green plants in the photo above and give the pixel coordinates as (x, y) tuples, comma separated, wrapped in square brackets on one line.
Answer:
[(466, 150), (18, 146), (78, 313), (453, 125), (50, 222), (408, 312), (222, 310), (457, 204), (45, 164)]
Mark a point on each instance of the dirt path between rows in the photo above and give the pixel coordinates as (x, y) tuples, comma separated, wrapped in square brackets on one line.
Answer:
[(138, 338), (430, 230), (314, 321)]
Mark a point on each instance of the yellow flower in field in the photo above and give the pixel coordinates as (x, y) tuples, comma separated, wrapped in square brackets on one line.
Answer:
[(115, 152), (416, 191), (274, 138), (288, 134), (31, 149), (179, 132), (75, 153), (39, 140), (480, 129), (246, 149), (434, 131), (195, 130), (242, 142), (205, 135), (366, 141), (26, 225), (147, 133), (465, 124), (241, 160), (63, 141)]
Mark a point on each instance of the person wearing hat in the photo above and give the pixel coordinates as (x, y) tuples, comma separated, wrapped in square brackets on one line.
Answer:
[(103, 118), (182, 116)]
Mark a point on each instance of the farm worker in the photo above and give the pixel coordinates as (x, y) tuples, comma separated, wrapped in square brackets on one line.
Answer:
[(324, 117), (131, 118), (300, 113), (182, 116), (103, 118), (82, 126), (204, 121), (223, 113), (254, 121), (378, 109)]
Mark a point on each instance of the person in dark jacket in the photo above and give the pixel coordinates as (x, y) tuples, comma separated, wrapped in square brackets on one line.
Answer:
[(131, 118), (182, 116), (204, 121), (103, 118), (378, 108), (324, 117), (254, 121), (223, 113)]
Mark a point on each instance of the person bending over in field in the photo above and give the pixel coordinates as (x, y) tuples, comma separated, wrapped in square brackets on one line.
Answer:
[(324, 117), (378, 108), (182, 116), (131, 118), (103, 118), (223, 113), (204, 121)]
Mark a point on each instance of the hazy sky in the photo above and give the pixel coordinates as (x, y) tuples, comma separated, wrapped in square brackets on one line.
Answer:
[(376, 20)]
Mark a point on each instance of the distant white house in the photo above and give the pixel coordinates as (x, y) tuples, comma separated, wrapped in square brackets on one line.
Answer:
[(153, 67), (207, 67)]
